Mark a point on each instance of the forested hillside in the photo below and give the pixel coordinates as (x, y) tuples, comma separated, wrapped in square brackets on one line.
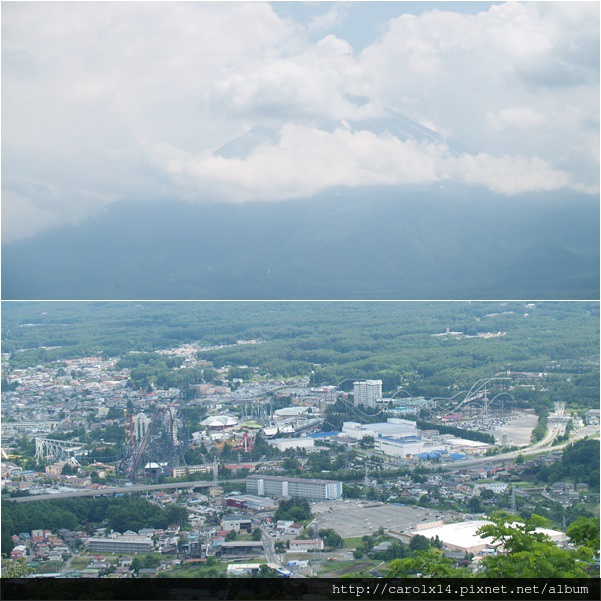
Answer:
[(395, 342), (432, 242)]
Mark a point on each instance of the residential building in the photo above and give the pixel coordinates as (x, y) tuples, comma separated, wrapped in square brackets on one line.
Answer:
[(279, 486), (314, 544), (367, 392), (122, 544)]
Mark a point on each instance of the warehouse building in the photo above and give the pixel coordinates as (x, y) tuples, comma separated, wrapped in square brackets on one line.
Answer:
[(283, 444), (394, 427), (406, 447), (237, 522), (462, 536), (250, 502), (240, 547)]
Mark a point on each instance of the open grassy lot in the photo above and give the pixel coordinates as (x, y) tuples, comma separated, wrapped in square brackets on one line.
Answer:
[(341, 568), (353, 542)]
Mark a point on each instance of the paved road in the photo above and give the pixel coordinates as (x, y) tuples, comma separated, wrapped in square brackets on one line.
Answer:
[(541, 447), (111, 490)]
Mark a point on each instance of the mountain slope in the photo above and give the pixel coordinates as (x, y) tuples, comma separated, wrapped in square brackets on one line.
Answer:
[(368, 243)]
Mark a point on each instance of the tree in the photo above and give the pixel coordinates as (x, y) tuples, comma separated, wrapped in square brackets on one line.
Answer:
[(147, 561), (231, 535), (367, 442), (431, 564), (67, 470), (486, 494), (331, 538), (419, 543), (290, 463), (295, 509), (16, 568), (256, 534), (526, 551), (176, 514), (474, 505), (265, 572), (584, 534)]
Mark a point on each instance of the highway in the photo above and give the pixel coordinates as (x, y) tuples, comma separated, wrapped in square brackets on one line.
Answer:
[(540, 448), (112, 490)]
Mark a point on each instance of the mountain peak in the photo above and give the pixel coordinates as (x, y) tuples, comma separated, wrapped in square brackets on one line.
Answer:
[(391, 123)]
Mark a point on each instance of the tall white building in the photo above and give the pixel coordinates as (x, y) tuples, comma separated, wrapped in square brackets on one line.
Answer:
[(368, 392)]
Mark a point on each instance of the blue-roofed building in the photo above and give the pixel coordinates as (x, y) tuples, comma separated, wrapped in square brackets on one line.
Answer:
[(322, 435)]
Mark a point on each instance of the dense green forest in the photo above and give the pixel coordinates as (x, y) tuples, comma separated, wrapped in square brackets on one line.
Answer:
[(330, 342), (130, 512), (579, 463)]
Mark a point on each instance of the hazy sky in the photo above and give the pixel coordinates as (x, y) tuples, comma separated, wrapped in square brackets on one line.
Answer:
[(103, 101)]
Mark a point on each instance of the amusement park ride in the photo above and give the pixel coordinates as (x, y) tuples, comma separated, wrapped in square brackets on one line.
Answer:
[(161, 441), (157, 442)]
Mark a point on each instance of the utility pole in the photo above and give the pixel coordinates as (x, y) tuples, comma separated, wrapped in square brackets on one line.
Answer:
[(513, 504)]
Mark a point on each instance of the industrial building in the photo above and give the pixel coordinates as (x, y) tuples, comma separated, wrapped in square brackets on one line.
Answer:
[(292, 443), (250, 502), (406, 447), (280, 486), (237, 522), (240, 547), (462, 536), (394, 427)]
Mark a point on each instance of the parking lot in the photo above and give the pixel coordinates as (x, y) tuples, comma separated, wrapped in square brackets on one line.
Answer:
[(519, 428), (357, 518)]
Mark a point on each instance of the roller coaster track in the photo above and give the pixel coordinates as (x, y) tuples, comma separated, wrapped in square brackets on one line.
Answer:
[(59, 449), (141, 449)]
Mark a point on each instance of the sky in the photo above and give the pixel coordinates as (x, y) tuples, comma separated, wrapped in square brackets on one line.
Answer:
[(111, 101)]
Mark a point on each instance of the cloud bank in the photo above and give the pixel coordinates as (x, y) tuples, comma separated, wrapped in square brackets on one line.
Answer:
[(110, 101)]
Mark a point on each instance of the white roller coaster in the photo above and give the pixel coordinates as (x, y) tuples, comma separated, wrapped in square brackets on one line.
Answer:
[(57, 449)]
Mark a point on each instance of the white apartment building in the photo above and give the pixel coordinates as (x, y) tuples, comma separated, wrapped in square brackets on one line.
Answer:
[(367, 392), (186, 470), (279, 486)]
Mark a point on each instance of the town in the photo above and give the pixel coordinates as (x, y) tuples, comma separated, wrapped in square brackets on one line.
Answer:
[(111, 469)]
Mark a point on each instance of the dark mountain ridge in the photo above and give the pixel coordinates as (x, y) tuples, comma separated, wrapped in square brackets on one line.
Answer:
[(432, 242)]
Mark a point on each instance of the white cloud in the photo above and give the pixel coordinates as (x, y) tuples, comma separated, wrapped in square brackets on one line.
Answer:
[(109, 101), (307, 159), (507, 174), (333, 16), (515, 116)]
